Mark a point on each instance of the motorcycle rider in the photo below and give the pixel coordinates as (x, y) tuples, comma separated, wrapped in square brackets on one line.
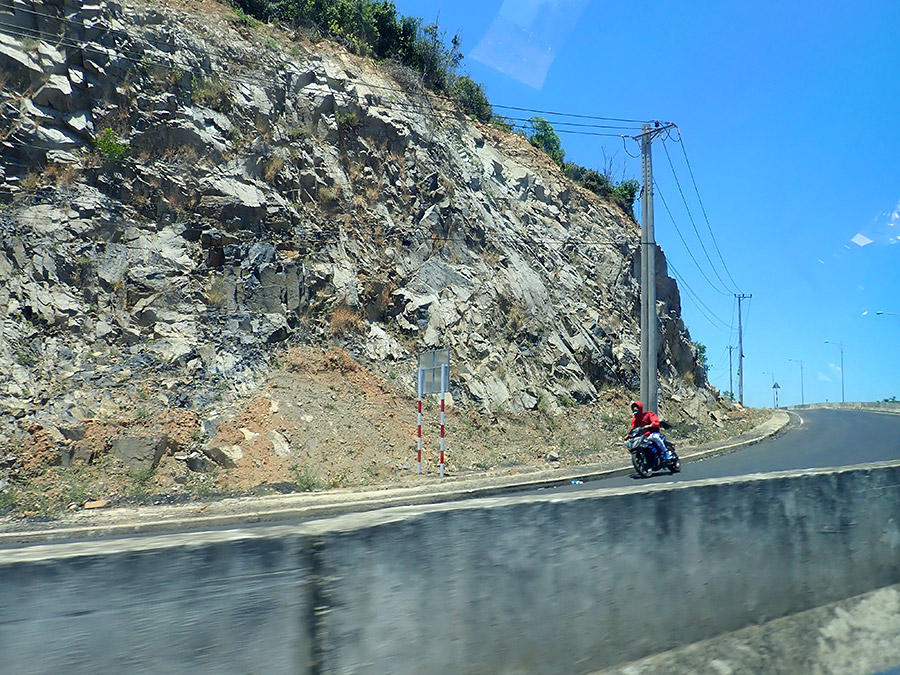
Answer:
[(648, 423)]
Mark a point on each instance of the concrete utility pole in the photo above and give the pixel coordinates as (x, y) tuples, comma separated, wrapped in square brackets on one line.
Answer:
[(649, 329), (731, 348), (741, 349)]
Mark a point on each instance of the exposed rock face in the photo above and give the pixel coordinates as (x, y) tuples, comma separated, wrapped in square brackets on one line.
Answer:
[(273, 193)]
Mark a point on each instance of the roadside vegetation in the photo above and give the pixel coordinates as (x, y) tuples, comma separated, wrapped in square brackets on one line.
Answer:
[(373, 28)]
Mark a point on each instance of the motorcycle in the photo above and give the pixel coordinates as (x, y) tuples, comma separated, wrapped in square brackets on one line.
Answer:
[(647, 459)]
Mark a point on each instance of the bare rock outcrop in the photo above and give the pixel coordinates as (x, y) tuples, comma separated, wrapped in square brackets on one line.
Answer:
[(182, 196)]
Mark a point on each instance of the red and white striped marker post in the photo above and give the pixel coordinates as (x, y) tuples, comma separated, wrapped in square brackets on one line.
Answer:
[(421, 387), (445, 376), (433, 378)]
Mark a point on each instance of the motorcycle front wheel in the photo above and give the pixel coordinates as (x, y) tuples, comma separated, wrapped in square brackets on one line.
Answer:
[(674, 463), (641, 463)]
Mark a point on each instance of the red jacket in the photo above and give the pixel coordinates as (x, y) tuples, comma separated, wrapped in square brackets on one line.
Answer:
[(644, 419)]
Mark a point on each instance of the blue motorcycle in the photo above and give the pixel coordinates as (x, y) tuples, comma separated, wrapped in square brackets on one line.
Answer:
[(647, 459)]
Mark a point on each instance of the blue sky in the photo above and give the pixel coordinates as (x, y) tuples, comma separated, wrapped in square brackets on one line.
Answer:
[(788, 114)]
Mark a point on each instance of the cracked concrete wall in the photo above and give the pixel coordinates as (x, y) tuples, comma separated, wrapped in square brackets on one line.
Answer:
[(506, 585)]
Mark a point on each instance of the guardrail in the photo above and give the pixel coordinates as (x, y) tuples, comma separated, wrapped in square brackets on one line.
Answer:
[(881, 406)]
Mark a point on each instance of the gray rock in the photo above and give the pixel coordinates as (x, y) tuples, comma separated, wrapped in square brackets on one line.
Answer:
[(113, 264), (56, 93), (199, 463), (51, 138), (226, 456), (140, 452), (280, 445)]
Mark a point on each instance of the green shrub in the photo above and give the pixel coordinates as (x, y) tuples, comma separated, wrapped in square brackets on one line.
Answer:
[(543, 136), (110, 147), (471, 98), (7, 501), (140, 480), (306, 479), (244, 19), (347, 120), (625, 193), (369, 27), (591, 179), (503, 123)]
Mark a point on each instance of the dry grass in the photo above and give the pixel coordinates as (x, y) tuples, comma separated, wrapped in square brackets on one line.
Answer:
[(62, 174), (32, 180), (211, 92), (216, 291), (328, 195), (272, 167), (340, 360), (345, 321)]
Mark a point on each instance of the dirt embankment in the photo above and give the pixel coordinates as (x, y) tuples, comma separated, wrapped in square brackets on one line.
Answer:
[(319, 420)]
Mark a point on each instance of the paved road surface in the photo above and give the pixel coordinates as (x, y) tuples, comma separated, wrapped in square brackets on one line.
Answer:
[(857, 635), (815, 439)]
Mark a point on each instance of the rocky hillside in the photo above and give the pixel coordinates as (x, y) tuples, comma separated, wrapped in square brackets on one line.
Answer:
[(186, 194)]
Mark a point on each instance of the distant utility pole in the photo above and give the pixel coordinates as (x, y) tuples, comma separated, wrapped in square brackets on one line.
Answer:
[(800, 361), (731, 348), (740, 297), (841, 344), (649, 328)]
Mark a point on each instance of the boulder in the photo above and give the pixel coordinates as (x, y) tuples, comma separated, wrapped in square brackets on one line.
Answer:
[(140, 452), (226, 456)]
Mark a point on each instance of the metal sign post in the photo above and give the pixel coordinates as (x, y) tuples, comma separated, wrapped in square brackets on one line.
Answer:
[(433, 377), (445, 381), (421, 386)]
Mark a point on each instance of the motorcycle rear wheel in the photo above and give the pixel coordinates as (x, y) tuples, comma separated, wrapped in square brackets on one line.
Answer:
[(641, 463)]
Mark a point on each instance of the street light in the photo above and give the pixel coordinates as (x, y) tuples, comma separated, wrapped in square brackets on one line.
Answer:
[(841, 344), (800, 361)]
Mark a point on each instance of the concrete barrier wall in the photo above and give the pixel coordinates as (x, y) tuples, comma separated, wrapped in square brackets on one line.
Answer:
[(216, 603), (507, 585), (880, 406)]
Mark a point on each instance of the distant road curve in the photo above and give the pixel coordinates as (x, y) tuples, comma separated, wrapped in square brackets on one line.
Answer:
[(817, 437)]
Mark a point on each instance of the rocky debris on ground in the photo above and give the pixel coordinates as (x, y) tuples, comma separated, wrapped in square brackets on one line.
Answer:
[(186, 198)]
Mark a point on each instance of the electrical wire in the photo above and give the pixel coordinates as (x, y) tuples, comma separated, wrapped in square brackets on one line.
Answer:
[(726, 290), (172, 65), (51, 38), (202, 53), (705, 311), (680, 141), (438, 113), (434, 237), (683, 241)]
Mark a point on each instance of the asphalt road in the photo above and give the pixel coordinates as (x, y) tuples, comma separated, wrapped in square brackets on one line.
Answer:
[(814, 439)]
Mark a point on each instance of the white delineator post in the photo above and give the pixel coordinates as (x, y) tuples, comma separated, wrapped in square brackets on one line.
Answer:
[(445, 376), (419, 448)]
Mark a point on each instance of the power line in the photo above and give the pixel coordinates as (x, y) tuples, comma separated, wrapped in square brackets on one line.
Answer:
[(680, 141), (446, 114), (693, 223), (202, 53), (683, 241), (172, 65), (311, 237), (705, 311), (145, 60), (563, 114)]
